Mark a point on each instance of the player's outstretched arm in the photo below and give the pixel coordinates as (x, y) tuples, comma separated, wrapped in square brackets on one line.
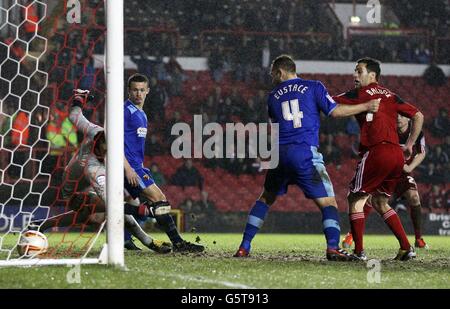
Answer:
[(76, 116), (416, 128), (346, 110)]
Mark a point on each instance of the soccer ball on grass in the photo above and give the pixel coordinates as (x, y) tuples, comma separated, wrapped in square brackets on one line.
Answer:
[(32, 243)]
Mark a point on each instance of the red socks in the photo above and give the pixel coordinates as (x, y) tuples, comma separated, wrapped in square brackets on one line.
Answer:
[(357, 223), (393, 221)]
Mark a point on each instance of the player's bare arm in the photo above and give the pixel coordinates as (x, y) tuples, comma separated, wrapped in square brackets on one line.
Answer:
[(408, 168), (130, 173), (345, 110), (416, 128)]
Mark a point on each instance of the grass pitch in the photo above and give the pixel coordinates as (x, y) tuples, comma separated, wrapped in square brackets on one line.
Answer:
[(277, 261)]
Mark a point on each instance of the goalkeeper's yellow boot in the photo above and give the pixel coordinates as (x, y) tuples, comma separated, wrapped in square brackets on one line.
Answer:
[(160, 246)]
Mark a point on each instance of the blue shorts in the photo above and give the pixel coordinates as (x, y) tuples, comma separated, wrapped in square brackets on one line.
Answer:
[(145, 181), (301, 165)]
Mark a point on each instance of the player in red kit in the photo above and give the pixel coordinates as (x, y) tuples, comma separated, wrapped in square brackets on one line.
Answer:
[(381, 166), (406, 187)]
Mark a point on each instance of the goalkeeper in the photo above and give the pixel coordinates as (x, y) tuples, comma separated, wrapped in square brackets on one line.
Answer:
[(84, 181)]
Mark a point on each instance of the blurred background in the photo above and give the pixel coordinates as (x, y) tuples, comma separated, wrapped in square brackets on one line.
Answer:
[(212, 58)]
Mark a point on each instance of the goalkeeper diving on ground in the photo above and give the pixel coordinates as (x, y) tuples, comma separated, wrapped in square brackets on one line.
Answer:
[(84, 184)]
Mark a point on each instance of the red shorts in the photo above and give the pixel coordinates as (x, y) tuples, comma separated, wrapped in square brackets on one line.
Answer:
[(406, 183), (379, 170)]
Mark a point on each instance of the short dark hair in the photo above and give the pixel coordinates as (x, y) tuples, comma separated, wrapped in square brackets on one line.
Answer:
[(284, 62), (137, 78), (372, 65)]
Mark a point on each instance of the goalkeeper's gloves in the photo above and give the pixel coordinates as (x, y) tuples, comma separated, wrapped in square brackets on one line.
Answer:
[(81, 97)]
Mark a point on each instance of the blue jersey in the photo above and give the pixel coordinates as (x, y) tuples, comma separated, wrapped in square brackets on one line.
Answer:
[(135, 125), (295, 105)]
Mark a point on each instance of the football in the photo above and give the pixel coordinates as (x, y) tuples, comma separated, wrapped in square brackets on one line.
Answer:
[(32, 243)]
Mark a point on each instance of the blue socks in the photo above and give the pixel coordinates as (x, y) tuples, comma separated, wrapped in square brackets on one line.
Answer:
[(331, 229), (254, 222)]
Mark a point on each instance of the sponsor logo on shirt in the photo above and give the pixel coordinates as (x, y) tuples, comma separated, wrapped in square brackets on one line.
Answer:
[(142, 132)]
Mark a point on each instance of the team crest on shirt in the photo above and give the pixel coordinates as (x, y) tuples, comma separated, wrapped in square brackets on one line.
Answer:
[(142, 132)]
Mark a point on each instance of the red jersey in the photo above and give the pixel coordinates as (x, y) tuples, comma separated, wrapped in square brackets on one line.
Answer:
[(380, 126)]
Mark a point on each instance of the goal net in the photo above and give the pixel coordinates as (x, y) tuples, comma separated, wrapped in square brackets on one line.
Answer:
[(46, 50)]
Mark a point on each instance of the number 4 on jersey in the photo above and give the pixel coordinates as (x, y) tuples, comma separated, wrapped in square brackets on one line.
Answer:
[(291, 111)]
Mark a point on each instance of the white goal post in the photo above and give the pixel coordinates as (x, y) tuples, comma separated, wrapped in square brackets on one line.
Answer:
[(115, 131), (113, 251)]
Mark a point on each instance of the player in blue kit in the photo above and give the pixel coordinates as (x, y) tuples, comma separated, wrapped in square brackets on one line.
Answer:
[(138, 179), (295, 104)]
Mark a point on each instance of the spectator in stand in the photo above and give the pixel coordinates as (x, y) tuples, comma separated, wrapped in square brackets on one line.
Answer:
[(169, 138), (246, 60), (187, 176), (332, 154), (160, 68), (153, 147), (218, 98), (438, 156), (250, 112), (440, 126), (166, 44), (38, 119), (175, 76), (266, 55), (435, 76), (187, 205), (352, 128), (158, 177), (232, 166), (210, 108), (217, 62), (88, 74), (327, 51), (433, 174), (205, 206), (407, 53), (261, 105), (436, 199), (422, 54), (236, 101), (446, 145), (345, 53), (381, 52), (204, 213), (226, 111), (189, 217), (155, 109), (329, 126), (60, 131), (144, 64)]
